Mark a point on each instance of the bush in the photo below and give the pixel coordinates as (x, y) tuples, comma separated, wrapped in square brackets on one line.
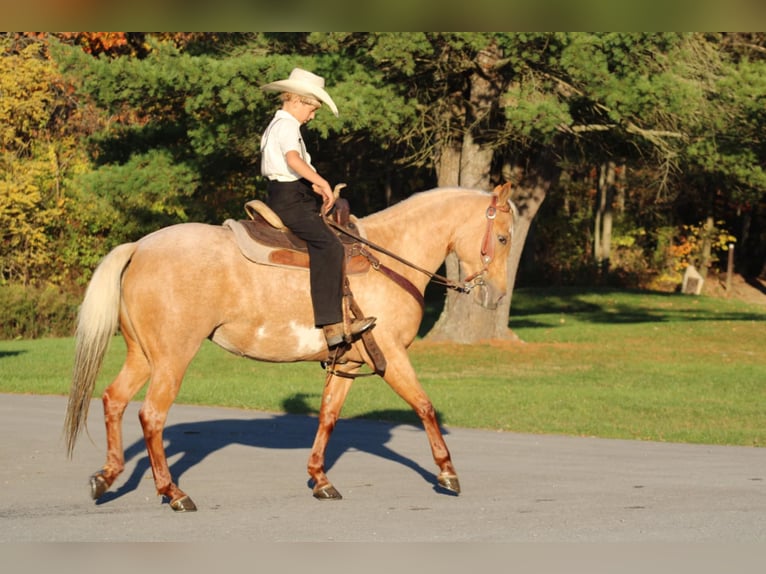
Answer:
[(34, 312), (629, 267)]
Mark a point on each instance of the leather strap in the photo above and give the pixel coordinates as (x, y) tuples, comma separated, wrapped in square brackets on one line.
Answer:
[(404, 283), (368, 339), (488, 244), (396, 277)]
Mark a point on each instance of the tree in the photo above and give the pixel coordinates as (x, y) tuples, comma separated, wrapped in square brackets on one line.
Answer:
[(628, 100), (730, 150), (454, 82)]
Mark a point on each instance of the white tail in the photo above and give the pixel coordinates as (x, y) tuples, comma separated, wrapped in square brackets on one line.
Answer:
[(97, 322)]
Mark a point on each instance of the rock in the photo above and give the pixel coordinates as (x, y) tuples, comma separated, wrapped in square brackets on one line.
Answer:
[(693, 281)]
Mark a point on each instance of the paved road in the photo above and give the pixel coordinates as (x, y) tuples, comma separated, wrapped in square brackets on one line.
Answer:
[(246, 472)]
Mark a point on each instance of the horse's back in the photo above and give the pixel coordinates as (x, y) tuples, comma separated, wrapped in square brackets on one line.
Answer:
[(187, 236)]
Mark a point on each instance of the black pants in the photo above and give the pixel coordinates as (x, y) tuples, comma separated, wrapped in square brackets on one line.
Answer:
[(299, 208)]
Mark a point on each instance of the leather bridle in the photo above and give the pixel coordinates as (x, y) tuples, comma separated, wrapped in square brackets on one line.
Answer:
[(487, 247)]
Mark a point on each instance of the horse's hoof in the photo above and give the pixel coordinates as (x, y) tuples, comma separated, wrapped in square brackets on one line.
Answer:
[(327, 492), (183, 504), (450, 482), (98, 485)]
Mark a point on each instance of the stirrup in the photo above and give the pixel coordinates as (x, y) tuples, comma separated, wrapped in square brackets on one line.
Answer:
[(337, 333)]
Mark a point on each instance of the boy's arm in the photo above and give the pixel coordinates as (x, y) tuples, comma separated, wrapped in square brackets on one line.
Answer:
[(320, 184)]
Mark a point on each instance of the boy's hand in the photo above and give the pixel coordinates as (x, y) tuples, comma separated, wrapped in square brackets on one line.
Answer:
[(328, 198)]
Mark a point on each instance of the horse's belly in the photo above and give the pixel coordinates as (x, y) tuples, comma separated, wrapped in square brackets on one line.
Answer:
[(282, 342)]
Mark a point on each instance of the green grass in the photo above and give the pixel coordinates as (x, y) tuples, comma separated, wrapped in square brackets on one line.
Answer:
[(595, 363)]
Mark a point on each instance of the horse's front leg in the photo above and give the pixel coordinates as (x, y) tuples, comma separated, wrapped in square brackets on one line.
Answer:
[(401, 377), (334, 395)]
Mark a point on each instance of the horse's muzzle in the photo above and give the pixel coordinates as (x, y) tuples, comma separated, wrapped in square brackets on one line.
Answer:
[(487, 296)]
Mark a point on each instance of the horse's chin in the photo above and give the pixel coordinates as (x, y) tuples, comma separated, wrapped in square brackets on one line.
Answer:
[(488, 297)]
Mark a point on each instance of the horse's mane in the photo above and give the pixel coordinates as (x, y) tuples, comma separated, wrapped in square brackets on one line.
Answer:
[(420, 200)]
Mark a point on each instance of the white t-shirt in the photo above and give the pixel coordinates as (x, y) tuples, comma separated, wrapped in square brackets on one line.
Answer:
[(282, 135)]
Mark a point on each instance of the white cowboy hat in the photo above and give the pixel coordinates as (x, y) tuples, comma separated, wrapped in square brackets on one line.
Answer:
[(303, 83)]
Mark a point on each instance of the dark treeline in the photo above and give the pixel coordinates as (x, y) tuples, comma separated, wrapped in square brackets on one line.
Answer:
[(632, 155)]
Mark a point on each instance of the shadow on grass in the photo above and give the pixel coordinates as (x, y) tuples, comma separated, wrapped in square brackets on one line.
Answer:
[(620, 306), (759, 285), (11, 353), (600, 306), (295, 429)]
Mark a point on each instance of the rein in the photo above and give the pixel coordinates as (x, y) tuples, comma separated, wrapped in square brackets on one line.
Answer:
[(487, 253), (378, 266)]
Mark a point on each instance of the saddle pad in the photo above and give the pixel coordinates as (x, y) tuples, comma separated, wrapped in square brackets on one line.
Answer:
[(264, 244)]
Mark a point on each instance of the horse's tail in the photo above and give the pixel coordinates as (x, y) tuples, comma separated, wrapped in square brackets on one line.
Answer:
[(96, 324)]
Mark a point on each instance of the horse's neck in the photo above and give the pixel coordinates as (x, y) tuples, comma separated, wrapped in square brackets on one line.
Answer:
[(419, 229)]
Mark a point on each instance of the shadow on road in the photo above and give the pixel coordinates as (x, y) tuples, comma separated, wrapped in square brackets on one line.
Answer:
[(195, 441)]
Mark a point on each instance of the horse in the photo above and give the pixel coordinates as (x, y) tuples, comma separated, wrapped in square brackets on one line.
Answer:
[(175, 287)]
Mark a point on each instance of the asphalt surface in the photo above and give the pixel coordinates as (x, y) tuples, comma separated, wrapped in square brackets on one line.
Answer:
[(245, 470)]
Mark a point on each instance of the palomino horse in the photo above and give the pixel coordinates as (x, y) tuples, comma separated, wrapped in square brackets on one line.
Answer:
[(172, 289)]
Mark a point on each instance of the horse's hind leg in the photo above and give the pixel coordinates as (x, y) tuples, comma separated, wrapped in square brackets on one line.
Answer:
[(166, 381), (401, 377), (132, 376)]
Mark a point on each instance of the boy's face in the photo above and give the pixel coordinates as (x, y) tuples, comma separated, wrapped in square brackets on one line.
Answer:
[(300, 110)]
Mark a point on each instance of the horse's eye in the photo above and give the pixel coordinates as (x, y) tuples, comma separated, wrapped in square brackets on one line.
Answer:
[(502, 239)]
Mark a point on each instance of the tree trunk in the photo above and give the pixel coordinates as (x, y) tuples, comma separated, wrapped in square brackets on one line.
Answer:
[(706, 251), (475, 162), (468, 165), (448, 166), (530, 192), (462, 321), (602, 244)]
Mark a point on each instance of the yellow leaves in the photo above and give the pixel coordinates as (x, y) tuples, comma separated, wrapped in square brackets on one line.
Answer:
[(27, 99), (25, 215), (688, 248), (34, 164)]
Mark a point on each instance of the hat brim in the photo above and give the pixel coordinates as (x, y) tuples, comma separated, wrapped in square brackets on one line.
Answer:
[(302, 89)]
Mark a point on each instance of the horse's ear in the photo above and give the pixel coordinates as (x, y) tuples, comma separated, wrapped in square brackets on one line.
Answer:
[(503, 192)]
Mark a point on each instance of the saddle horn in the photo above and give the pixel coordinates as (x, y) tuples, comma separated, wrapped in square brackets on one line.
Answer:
[(337, 188)]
